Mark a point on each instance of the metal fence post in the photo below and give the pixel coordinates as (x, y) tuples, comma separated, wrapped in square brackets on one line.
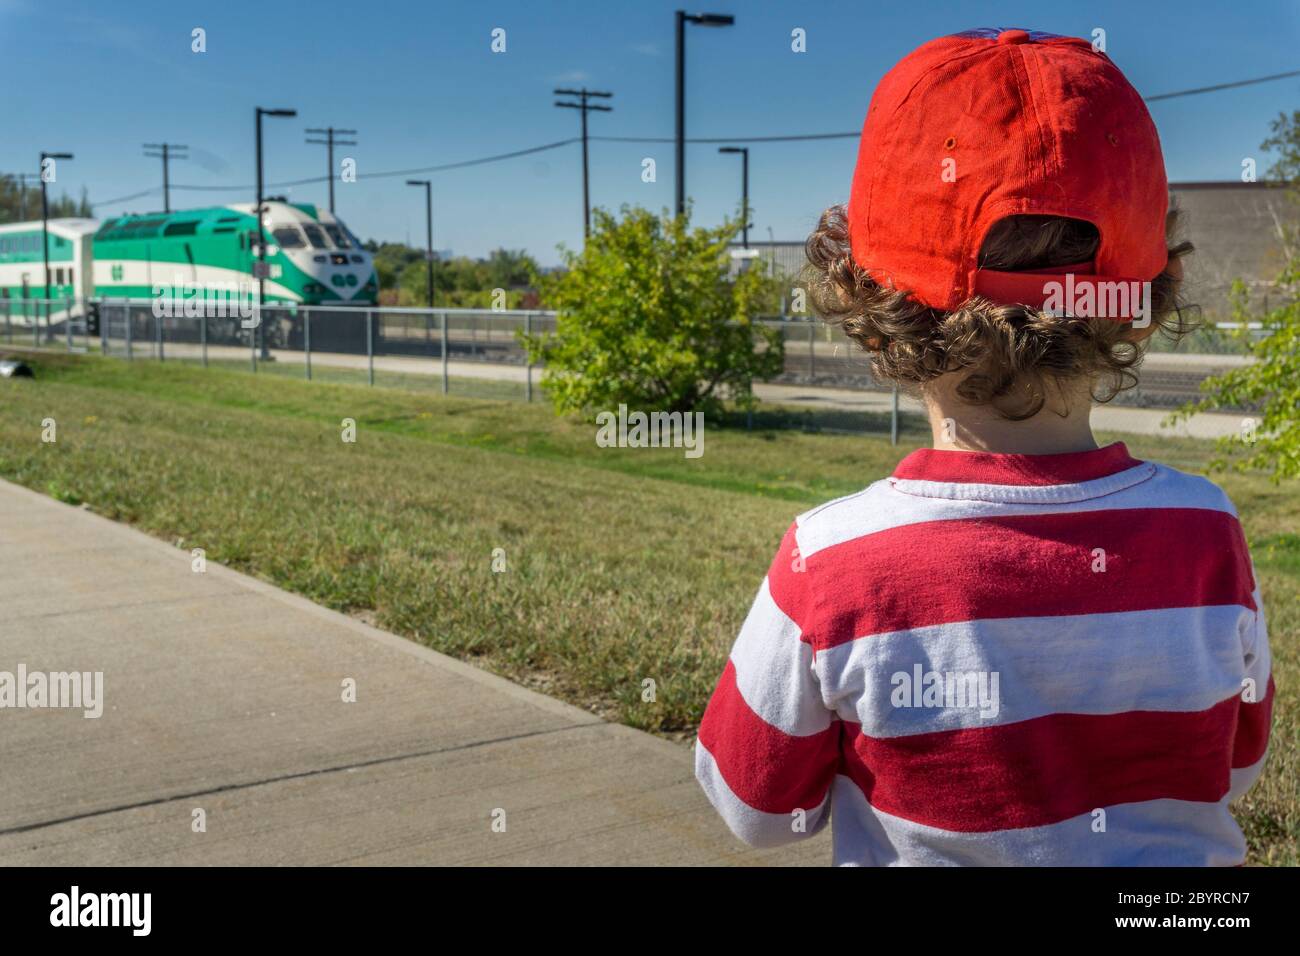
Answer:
[(306, 340), (103, 329), (442, 325), (370, 346), (158, 336), (528, 370), (893, 418), (36, 325), (126, 313), (203, 336), (9, 327), (67, 325), (812, 355)]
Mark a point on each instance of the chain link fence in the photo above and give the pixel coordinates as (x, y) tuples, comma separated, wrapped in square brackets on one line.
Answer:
[(471, 352)]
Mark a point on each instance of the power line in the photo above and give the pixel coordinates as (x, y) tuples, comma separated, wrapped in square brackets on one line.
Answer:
[(482, 160), (798, 137), (118, 199), (729, 139), (1222, 86)]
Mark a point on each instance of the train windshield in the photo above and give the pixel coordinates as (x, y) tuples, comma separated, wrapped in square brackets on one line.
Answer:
[(340, 238), (315, 236), (288, 237)]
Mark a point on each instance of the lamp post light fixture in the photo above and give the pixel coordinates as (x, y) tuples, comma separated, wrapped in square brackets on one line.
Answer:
[(260, 331), (45, 217), (428, 231), (744, 188), (704, 20)]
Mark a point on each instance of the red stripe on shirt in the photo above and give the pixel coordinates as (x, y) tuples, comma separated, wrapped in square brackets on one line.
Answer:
[(767, 768), (1041, 771), (1252, 730), (787, 578), (1008, 566)]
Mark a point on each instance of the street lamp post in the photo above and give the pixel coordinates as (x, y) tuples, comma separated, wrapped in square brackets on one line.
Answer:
[(585, 107), (45, 217), (261, 232), (744, 188), (428, 230), (704, 20)]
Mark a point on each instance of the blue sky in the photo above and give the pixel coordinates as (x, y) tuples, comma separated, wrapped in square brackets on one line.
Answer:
[(420, 83)]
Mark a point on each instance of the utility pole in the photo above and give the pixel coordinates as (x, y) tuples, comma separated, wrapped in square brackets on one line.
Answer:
[(704, 20), (329, 142), (166, 152), (585, 108)]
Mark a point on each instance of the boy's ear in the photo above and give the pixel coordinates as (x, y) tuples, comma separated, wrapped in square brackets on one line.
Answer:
[(1137, 336), (1174, 267)]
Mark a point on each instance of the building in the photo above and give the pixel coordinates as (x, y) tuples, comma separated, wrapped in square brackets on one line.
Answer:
[(1237, 229)]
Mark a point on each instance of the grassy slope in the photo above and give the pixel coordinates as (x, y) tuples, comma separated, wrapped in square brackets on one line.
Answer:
[(623, 564)]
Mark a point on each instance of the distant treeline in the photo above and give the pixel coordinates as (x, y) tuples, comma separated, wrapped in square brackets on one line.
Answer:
[(458, 282), (19, 205)]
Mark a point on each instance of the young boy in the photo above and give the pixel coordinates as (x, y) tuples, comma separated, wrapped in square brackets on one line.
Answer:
[(1021, 648)]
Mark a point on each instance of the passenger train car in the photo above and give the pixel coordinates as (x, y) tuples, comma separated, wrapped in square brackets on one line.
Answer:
[(22, 267), (312, 258)]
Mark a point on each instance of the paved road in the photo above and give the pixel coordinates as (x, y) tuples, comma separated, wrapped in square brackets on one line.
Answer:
[(223, 694)]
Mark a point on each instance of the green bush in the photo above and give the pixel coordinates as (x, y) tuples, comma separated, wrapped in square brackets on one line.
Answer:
[(649, 315), (1271, 441)]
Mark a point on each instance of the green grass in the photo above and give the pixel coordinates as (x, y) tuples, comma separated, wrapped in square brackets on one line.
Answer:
[(623, 564)]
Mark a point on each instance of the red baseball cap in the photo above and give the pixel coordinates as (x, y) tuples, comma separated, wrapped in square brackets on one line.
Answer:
[(1032, 123)]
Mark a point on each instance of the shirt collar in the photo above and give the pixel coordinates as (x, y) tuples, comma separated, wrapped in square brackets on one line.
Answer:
[(987, 476)]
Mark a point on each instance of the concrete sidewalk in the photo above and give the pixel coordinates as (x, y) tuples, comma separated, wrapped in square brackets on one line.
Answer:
[(224, 694)]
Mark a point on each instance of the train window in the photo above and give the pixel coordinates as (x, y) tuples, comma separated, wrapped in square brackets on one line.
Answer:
[(181, 228), (58, 276), (337, 234), (288, 237), (357, 258), (315, 236), (71, 281)]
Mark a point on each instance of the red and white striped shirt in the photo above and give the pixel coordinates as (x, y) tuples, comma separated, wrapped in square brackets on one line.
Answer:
[(1000, 660)]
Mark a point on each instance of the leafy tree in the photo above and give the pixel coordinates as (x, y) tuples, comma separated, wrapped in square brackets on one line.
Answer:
[(459, 282), (1272, 380), (650, 315), (19, 205)]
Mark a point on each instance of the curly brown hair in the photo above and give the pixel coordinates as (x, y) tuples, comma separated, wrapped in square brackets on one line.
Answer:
[(1011, 353)]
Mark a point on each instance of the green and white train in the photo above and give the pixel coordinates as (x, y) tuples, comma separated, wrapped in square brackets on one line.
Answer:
[(311, 256)]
